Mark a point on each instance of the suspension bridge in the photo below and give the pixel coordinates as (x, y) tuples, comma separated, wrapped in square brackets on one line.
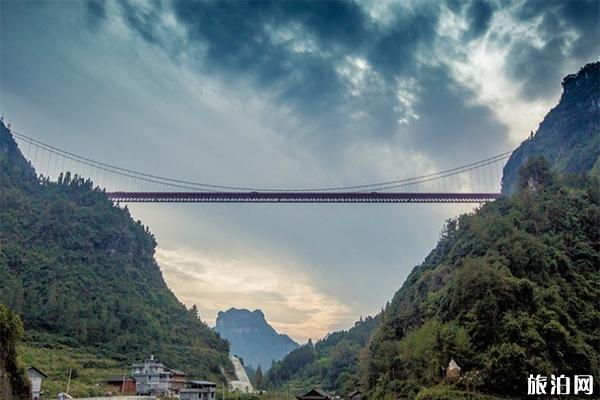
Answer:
[(476, 182)]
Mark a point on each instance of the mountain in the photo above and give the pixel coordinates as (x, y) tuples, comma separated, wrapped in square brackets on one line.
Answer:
[(510, 289), (252, 338), (569, 135), (332, 363), (80, 271)]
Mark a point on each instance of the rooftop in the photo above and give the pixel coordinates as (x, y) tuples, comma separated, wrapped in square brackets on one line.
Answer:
[(31, 367), (196, 384)]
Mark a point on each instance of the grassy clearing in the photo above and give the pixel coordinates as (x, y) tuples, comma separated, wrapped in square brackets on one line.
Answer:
[(89, 369)]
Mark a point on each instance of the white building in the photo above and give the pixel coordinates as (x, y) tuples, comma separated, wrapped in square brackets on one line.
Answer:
[(198, 390), (35, 377), (151, 377)]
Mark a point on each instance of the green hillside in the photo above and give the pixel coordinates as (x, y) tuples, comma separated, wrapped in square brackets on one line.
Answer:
[(75, 265), (510, 289), (331, 363), (88, 370)]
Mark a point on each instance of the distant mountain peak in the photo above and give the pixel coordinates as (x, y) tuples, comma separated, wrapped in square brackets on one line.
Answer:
[(252, 338), (241, 311)]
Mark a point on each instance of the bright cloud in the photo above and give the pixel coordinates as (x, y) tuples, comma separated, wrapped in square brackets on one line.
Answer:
[(216, 282)]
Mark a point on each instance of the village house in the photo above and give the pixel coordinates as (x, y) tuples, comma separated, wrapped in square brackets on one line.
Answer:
[(198, 390), (122, 384), (315, 394), (35, 377), (178, 380), (153, 378)]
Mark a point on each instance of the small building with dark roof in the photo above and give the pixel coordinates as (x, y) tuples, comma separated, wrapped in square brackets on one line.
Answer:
[(315, 394), (198, 390), (35, 377)]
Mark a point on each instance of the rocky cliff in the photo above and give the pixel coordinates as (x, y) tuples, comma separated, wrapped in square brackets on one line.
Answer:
[(569, 135)]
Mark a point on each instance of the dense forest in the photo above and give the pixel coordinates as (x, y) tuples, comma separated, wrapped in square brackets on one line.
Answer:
[(510, 288), (80, 271), (331, 363)]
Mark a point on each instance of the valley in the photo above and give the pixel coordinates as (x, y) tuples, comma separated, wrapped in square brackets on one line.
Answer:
[(294, 159)]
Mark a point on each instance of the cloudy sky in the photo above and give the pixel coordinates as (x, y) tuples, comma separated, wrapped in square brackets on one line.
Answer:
[(289, 94)]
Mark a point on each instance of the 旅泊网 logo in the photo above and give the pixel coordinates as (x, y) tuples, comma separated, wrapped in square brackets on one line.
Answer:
[(560, 385)]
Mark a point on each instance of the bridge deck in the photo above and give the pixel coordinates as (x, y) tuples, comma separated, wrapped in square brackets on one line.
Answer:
[(300, 197)]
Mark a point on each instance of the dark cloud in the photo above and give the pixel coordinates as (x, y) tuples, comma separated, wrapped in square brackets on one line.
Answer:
[(264, 42), (536, 67), (585, 17), (395, 51), (291, 52), (479, 15), (145, 21), (95, 11), (570, 32), (452, 129)]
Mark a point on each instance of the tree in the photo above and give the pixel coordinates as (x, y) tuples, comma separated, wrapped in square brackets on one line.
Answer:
[(258, 377), (535, 173), (194, 312), (14, 384)]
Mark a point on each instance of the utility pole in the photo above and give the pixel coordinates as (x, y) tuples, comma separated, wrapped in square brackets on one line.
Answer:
[(69, 381)]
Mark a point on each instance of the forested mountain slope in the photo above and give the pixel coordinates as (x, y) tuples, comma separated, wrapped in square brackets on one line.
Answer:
[(510, 289), (569, 135), (73, 264), (331, 363), (252, 338)]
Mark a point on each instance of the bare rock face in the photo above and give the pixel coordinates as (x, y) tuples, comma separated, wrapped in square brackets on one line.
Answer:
[(252, 338), (569, 136)]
